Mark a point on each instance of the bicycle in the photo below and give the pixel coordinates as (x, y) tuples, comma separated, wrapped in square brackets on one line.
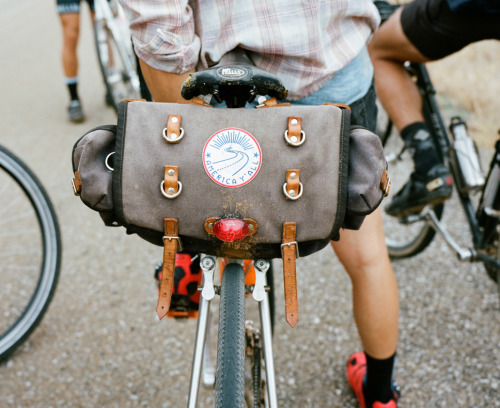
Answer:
[(116, 57), (244, 373), (410, 235), (30, 252)]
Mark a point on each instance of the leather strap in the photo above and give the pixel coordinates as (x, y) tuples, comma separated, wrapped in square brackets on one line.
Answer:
[(170, 247), (295, 128), (196, 101), (174, 128), (133, 100), (385, 183), (339, 105), (292, 182), (272, 103), (77, 184), (289, 251), (171, 179)]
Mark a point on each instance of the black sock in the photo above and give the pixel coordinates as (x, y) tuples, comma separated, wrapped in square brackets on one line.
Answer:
[(378, 381), (418, 139), (73, 92)]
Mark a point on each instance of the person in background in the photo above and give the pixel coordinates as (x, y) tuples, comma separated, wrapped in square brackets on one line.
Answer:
[(422, 31), (69, 13)]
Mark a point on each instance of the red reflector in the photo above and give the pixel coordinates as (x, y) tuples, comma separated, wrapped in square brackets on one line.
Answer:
[(230, 229)]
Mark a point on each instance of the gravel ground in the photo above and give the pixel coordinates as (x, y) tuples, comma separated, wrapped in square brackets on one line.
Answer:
[(100, 344)]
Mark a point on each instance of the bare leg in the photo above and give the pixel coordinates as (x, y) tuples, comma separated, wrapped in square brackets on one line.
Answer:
[(71, 30), (389, 49), (375, 294)]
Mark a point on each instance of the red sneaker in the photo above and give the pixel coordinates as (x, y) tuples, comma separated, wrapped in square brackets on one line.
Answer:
[(356, 371)]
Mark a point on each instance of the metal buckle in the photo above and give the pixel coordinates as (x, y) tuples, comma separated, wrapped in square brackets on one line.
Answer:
[(177, 239), (289, 244)]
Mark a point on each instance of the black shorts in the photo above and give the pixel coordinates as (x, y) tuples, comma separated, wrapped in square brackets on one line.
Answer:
[(71, 6), (436, 31)]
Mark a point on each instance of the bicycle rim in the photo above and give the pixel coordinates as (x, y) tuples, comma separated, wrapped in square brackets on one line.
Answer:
[(30, 251), (230, 379), (120, 77)]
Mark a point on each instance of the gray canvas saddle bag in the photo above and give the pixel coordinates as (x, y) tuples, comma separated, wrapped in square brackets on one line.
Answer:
[(285, 165)]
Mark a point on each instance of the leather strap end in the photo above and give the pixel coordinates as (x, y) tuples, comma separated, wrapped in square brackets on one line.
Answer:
[(76, 183), (385, 183), (272, 103), (170, 247), (289, 273)]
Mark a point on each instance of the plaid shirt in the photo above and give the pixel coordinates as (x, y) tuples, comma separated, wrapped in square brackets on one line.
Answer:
[(303, 42)]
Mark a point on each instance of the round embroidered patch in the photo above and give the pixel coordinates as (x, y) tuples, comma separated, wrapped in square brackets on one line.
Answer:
[(232, 157)]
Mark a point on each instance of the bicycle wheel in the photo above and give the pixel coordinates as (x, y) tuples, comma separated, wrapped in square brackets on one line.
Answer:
[(117, 63), (30, 252), (406, 236), (230, 379), (493, 249)]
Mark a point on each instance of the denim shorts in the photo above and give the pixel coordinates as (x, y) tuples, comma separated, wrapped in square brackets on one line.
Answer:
[(363, 111), (71, 6)]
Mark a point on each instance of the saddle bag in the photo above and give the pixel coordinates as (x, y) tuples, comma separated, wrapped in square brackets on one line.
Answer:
[(198, 164), (183, 175)]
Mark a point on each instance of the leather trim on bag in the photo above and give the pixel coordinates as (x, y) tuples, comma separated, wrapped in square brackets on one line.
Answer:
[(77, 184), (292, 178), (171, 245), (272, 103), (338, 105), (290, 251)]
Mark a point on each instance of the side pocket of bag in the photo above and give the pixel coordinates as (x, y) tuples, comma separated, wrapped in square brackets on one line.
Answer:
[(93, 167), (368, 182)]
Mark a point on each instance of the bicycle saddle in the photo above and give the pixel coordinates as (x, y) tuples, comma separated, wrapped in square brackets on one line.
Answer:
[(234, 80)]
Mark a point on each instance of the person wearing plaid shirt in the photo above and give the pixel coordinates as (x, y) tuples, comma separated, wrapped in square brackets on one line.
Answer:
[(318, 49)]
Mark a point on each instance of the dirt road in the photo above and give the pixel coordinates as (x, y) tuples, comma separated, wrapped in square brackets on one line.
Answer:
[(100, 344)]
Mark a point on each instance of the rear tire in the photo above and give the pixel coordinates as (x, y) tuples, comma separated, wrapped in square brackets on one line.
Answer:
[(230, 379)]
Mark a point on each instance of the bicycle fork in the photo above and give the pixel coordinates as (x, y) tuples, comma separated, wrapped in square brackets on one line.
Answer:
[(202, 366)]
